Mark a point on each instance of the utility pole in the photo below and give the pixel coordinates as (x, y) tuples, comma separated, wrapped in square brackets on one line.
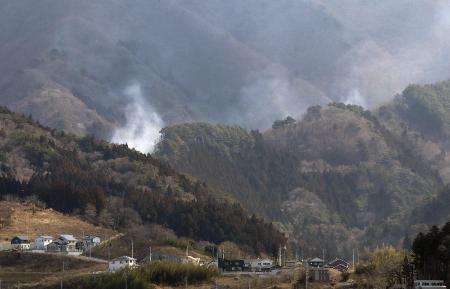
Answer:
[(357, 255), (61, 284), (109, 248), (132, 249), (63, 267), (353, 259), (323, 256), (149, 255), (306, 276), (279, 257)]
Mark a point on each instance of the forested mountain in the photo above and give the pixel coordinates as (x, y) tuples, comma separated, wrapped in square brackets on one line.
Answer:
[(118, 187), (337, 177), (70, 63)]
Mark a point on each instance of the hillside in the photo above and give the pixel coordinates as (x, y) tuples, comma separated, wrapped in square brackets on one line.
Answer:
[(421, 115), (17, 219), (116, 187), (88, 54), (337, 177), (31, 269), (70, 63)]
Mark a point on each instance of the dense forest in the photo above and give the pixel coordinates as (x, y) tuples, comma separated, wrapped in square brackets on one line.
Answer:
[(432, 252), (119, 187), (338, 175)]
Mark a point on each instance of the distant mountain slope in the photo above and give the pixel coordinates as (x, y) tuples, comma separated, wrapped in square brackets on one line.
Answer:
[(118, 187), (421, 114), (95, 50), (337, 175)]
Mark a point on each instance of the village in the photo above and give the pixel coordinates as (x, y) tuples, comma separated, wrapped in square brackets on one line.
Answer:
[(68, 244)]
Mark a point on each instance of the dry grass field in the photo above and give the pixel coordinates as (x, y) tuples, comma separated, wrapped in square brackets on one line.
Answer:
[(32, 221)]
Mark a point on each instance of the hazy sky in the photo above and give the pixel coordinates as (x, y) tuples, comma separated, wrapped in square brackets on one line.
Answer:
[(244, 62)]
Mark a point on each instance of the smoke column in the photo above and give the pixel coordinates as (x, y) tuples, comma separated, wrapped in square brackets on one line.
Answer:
[(143, 124)]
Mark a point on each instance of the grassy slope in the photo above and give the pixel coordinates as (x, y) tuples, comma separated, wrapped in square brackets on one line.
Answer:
[(29, 220), (32, 269)]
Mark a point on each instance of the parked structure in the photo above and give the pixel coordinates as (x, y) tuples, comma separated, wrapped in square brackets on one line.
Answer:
[(121, 263), (339, 264), (41, 242), (21, 243), (429, 284), (233, 265)]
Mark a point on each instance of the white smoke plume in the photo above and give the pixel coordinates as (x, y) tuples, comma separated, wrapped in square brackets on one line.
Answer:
[(143, 124)]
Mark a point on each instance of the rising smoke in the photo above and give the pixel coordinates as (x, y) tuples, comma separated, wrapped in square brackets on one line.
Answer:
[(143, 124), (397, 43), (236, 62)]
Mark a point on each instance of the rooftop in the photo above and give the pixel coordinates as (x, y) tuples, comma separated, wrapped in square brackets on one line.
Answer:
[(68, 237), (23, 238)]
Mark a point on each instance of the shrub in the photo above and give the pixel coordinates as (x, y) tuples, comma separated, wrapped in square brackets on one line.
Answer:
[(175, 274)]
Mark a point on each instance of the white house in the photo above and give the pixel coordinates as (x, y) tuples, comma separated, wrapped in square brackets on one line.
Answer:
[(21, 243), (121, 263), (41, 242), (258, 265)]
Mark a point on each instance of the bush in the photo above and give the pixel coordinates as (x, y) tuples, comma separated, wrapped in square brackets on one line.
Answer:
[(175, 274)]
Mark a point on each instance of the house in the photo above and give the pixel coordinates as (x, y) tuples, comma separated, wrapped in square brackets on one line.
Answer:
[(121, 263), (21, 243), (319, 274), (57, 246), (70, 242), (339, 264), (259, 265), (66, 244), (91, 241), (316, 263), (41, 242)]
